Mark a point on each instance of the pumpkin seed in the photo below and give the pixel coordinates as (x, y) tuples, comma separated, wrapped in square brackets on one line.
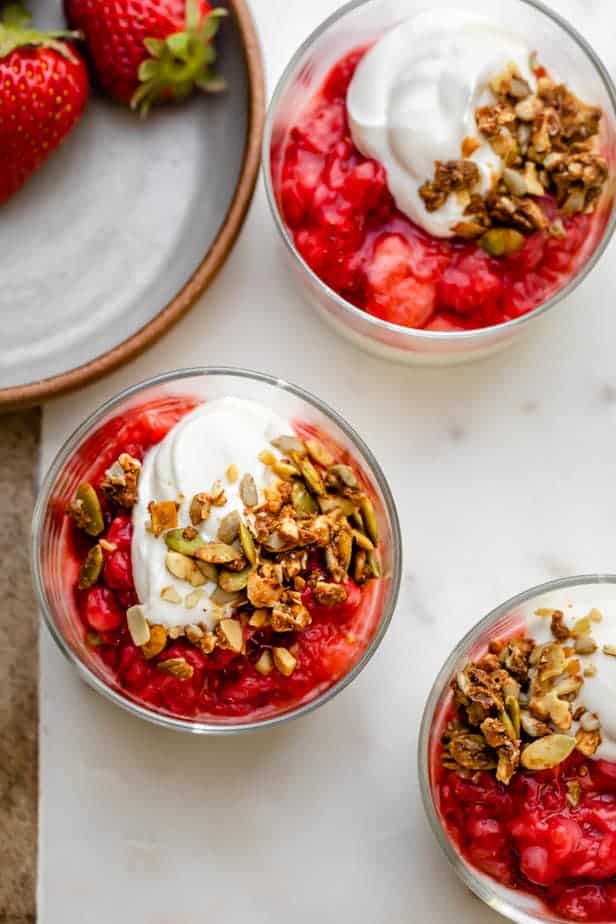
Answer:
[(508, 724), (344, 474), (248, 491), (233, 581), (359, 566), (362, 540), (311, 476), (332, 502), (345, 548), (137, 625), (289, 444), (548, 752), (176, 541), (229, 527), (209, 571), (248, 544), (303, 502), (180, 566), (500, 242), (91, 568), (286, 471), (374, 567), (218, 553), (513, 709), (86, 510), (369, 517), (319, 453)]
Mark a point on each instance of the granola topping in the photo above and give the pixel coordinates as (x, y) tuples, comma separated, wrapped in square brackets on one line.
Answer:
[(534, 699), (224, 553)]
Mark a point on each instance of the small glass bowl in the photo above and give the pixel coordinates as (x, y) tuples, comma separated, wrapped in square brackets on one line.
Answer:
[(562, 49), (73, 462), (591, 590)]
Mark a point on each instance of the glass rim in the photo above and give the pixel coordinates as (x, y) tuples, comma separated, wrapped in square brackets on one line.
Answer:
[(73, 442), (378, 324), (477, 882)]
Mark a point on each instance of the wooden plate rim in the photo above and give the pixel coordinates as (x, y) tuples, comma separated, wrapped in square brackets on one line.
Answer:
[(17, 396)]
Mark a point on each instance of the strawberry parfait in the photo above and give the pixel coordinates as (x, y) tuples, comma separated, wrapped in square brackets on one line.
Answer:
[(222, 562), (441, 178), (522, 761)]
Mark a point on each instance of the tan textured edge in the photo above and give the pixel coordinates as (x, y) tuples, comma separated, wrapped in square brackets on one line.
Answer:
[(36, 392)]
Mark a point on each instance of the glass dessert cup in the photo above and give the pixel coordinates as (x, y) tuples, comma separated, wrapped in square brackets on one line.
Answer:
[(522, 903), (561, 49), (157, 401)]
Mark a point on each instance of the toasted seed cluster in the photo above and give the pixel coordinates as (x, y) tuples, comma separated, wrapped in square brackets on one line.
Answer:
[(548, 140), (259, 559), (515, 706)]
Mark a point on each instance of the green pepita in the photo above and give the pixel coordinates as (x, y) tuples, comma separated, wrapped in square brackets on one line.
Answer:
[(289, 444), (500, 242), (176, 541), (344, 474), (234, 581), (218, 553), (86, 510), (229, 527), (369, 517), (512, 706), (311, 476), (91, 568), (248, 544), (303, 502)]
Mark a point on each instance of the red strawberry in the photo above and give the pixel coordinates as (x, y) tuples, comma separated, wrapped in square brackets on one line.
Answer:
[(43, 91), (148, 51)]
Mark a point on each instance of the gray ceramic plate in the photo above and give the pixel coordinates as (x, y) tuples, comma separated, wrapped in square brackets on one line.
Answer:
[(127, 223)]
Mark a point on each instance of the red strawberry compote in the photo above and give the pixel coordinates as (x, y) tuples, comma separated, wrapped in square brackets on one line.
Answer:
[(429, 221), (224, 561), (524, 771)]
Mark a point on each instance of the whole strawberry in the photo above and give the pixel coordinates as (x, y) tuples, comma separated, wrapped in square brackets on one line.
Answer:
[(149, 51), (43, 91)]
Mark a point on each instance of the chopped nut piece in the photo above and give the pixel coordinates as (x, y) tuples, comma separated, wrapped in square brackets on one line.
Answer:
[(290, 614), (86, 511), (448, 177), (469, 749), (284, 661), (595, 615), (558, 628), (590, 671), (265, 664), (585, 645), (157, 642), (327, 594), (120, 482), (207, 643), (137, 625), (528, 109), (574, 793), (232, 473), (469, 146), (192, 599), (260, 618), (217, 494), (170, 594), (587, 742), (229, 635), (532, 726), (199, 510), (194, 634), (177, 667), (262, 591), (268, 458), (319, 453), (164, 516), (589, 722), (610, 650), (547, 752), (492, 119)]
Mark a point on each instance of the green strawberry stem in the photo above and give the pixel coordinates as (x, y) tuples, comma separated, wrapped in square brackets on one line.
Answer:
[(15, 32), (180, 62)]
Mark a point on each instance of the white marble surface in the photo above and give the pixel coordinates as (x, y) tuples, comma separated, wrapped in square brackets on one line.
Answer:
[(504, 472)]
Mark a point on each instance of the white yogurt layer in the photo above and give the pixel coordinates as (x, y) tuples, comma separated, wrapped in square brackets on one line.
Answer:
[(598, 693), (413, 98), (193, 455)]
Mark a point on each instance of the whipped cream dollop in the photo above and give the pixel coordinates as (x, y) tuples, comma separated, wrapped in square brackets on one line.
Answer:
[(412, 101), (598, 692), (196, 453)]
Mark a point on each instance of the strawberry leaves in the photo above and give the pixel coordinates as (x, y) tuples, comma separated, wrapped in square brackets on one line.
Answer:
[(15, 32), (180, 62)]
